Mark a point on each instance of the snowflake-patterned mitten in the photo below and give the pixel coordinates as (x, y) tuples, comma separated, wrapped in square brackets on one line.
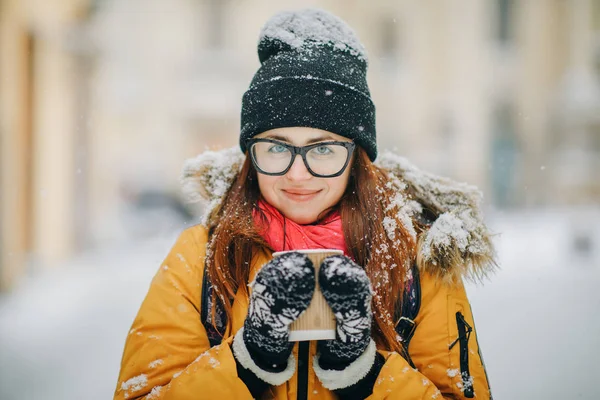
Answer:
[(281, 291), (347, 289)]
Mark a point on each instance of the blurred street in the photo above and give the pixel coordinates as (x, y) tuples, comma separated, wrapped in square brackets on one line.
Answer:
[(62, 334)]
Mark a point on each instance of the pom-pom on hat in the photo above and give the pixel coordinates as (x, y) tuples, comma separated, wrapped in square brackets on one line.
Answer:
[(313, 74)]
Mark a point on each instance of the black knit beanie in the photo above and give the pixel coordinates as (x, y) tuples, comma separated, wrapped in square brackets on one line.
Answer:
[(313, 74)]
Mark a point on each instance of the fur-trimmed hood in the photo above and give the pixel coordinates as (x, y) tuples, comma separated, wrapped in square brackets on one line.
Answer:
[(457, 243)]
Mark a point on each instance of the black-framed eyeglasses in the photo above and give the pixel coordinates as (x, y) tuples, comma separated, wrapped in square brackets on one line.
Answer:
[(323, 159)]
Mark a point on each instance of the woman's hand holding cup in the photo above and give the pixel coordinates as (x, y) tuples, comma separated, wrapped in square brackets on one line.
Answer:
[(347, 289), (281, 291)]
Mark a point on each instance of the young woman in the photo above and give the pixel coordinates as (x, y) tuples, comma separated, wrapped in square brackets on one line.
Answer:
[(215, 322)]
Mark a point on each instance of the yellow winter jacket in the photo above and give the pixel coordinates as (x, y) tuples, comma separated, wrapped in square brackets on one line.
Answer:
[(167, 353)]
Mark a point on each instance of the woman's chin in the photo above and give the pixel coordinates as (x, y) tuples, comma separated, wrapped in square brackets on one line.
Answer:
[(301, 219)]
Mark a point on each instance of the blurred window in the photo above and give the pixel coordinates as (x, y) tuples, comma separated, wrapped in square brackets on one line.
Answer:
[(389, 42), (595, 134), (30, 86), (596, 32), (596, 139), (504, 157), (389, 37), (596, 15), (216, 23), (504, 33)]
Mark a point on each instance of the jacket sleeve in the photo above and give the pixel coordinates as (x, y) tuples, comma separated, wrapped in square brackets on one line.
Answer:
[(167, 353), (444, 347)]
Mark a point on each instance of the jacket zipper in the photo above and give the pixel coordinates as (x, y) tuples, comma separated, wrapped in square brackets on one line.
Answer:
[(487, 379), (302, 388), (464, 333)]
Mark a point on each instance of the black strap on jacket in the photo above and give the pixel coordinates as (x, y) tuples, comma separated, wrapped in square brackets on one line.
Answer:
[(214, 331), (406, 315)]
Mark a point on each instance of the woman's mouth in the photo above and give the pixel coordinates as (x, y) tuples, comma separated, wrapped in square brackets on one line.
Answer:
[(300, 195)]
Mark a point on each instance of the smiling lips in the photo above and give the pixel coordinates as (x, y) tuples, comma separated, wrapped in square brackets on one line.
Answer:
[(300, 195)]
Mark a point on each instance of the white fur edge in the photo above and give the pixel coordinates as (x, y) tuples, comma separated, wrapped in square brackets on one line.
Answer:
[(332, 379), (273, 378)]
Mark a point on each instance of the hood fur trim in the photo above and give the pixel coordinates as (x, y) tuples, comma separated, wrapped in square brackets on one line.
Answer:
[(206, 177), (456, 245)]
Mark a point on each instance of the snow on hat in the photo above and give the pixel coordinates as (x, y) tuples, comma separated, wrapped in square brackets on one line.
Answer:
[(313, 74)]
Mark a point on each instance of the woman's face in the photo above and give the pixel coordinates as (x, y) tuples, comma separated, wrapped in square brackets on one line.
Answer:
[(299, 195)]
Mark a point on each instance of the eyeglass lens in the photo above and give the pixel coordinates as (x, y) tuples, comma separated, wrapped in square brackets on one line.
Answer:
[(273, 158)]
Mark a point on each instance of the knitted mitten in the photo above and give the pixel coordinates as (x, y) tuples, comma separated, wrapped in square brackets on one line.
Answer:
[(347, 290), (282, 290)]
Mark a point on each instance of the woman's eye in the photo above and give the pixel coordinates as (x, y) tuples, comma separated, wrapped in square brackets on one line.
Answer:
[(277, 148), (322, 150)]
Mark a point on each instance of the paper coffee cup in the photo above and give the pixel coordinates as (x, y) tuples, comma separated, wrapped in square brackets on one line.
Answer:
[(318, 321)]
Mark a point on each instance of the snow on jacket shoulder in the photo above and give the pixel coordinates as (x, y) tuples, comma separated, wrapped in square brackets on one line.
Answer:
[(167, 353)]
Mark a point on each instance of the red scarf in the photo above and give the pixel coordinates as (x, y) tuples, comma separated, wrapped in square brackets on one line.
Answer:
[(282, 233)]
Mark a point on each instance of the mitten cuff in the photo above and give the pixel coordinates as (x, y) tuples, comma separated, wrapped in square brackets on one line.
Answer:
[(357, 370), (240, 351)]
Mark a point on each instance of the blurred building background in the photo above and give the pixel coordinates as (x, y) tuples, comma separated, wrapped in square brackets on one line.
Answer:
[(101, 101)]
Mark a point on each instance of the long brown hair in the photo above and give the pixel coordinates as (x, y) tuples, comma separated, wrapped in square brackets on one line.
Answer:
[(375, 238)]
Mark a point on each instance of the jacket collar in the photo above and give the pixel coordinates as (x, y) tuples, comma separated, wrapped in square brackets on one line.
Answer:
[(457, 243)]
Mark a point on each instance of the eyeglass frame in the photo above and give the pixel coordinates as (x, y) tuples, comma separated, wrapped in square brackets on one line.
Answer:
[(301, 151)]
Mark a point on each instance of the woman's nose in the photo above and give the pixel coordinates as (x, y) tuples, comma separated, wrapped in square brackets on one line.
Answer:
[(298, 171)]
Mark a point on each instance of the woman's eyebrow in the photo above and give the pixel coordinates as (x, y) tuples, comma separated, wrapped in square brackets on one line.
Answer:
[(314, 140), (319, 139), (277, 137)]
